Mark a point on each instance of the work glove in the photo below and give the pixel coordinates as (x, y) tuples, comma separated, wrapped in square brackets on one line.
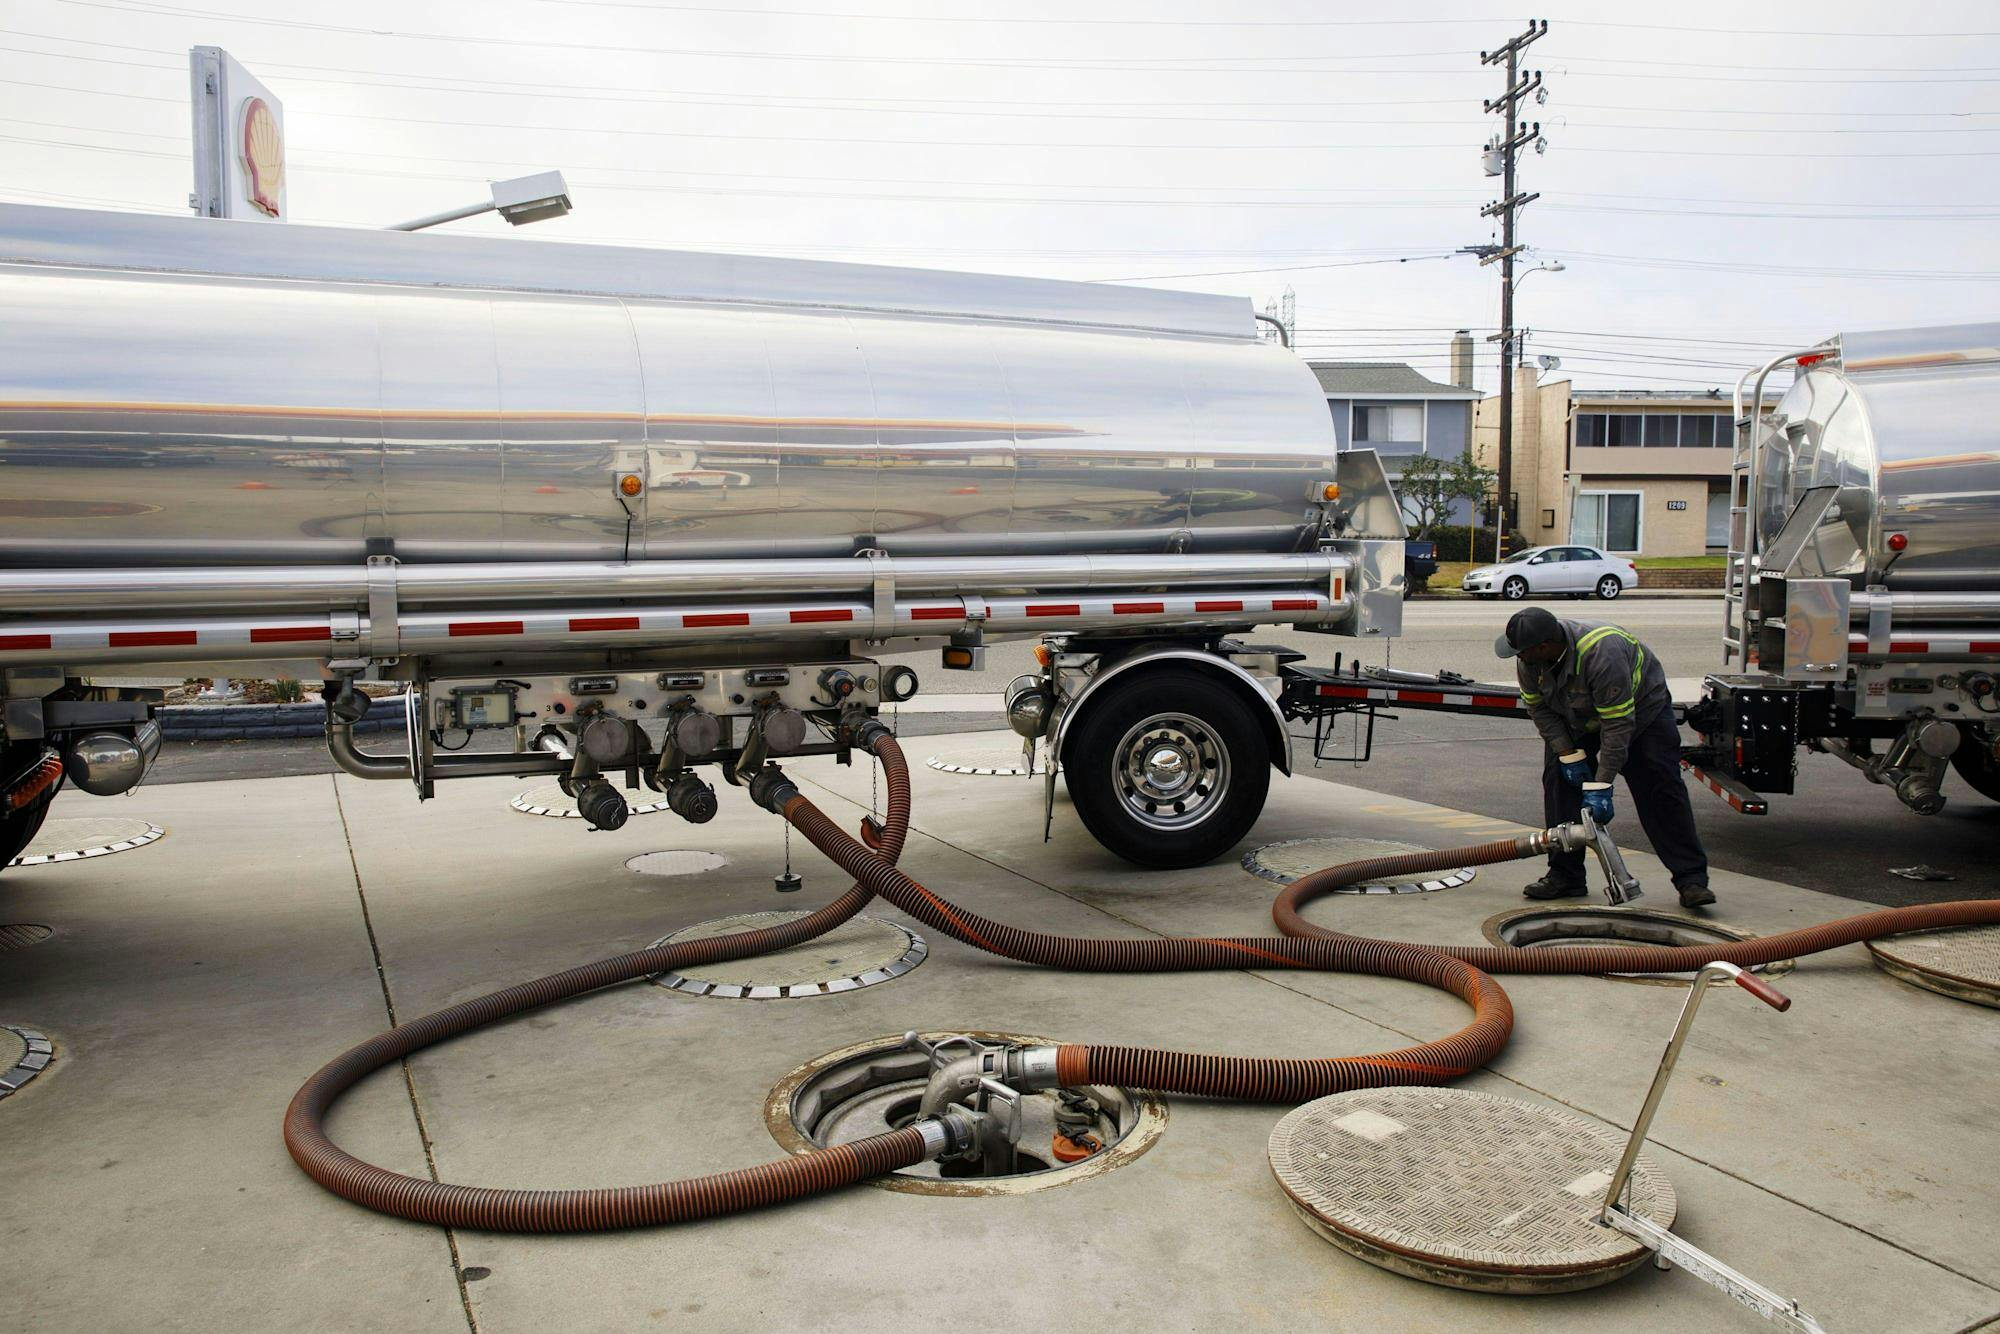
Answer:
[(1597, 800), (1575, 768)]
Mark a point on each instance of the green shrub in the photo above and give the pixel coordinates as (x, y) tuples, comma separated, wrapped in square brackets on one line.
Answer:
[(287, 691), (1459, 542)]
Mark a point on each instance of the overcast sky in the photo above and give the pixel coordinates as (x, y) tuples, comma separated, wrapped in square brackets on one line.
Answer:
[(1712, 187)]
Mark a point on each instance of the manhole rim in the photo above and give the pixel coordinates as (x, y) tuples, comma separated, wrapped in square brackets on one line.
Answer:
[(1447, 880), (1974, 990), (1468, 1273), (944, 766), (28, 1068), (520, 802), (151, 834), (1149, 1125), (721, 860), (915, 950), (1727, 934)]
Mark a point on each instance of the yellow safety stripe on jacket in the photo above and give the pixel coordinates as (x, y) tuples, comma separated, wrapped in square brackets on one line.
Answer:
[(1592, 639)]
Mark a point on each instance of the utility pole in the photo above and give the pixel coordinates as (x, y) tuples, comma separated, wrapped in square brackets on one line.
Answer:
[(1505, 146)]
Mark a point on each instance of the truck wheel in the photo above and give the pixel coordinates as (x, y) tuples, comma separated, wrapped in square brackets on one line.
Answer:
[(18, 828), (1514, 589), (1170, 770), (1976, 765)]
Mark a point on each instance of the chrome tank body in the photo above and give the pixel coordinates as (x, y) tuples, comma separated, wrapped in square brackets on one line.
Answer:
[(1909, 421), (200, 392)]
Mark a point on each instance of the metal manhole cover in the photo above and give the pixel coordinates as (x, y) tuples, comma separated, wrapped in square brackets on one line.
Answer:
[(988, 759), (1598, 924), (88, 836), (871, 1087), (1287, 861), (676, 861), (549, 799), (1960, 961), (20, 935), (24, 1053), (1464, 1189), (860, 952)]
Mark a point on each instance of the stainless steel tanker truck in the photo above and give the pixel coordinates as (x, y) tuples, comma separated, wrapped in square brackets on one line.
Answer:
[(1863, 605), (647, 516)]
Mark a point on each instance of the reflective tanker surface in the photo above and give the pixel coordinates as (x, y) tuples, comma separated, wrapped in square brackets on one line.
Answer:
[(174, 392)]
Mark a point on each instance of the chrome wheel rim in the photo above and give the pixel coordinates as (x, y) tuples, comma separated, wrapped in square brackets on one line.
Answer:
[(1172, 771)]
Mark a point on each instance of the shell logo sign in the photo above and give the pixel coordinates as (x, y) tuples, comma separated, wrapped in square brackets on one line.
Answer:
[(263, 149)]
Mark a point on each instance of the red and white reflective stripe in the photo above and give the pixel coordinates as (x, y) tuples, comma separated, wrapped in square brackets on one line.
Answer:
[(1931, 646), (1740, 804), (1407, 696)]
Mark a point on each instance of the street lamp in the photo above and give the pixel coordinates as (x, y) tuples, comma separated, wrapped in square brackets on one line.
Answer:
[(521, 200), (1553, 266)]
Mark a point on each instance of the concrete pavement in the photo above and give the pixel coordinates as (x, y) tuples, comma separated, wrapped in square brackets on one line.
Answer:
[(193, 983)]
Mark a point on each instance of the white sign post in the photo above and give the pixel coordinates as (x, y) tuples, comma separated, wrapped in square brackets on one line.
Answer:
[(239, 140)]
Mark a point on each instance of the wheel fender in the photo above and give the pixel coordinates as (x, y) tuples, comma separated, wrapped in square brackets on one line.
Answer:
[(1246, 685)]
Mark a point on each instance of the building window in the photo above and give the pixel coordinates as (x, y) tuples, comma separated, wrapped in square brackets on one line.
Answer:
[(1608, 519), (1589, 430), (1662, 430), (1389, 424), (1653, 430), (1703, 430)]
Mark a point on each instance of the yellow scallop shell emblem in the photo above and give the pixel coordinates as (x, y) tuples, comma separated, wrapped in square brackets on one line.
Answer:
[(263, 156)]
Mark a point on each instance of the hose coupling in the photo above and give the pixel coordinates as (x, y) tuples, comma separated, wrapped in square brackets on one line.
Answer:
[(770, 789), (869, 732), (601, 805), (691, 799)]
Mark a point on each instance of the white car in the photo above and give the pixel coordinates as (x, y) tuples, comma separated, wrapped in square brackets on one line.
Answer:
[(1573, 571)]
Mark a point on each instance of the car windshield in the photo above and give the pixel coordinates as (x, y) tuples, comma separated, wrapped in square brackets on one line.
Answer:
[(1520, 556)]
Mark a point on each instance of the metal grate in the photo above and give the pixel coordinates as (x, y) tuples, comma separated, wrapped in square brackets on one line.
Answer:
[(20, 935), (676, 861), (1464, 1188)]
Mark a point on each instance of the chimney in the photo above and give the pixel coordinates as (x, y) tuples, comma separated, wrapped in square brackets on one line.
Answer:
[(1461, 359)]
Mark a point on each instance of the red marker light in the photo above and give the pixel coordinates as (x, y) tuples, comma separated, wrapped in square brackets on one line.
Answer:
[(1897, 541)]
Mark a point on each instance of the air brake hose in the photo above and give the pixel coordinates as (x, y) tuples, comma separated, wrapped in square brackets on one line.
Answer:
[(425, 1201)]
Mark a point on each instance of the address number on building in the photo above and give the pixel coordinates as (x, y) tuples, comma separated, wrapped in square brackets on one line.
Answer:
[(1677, 504)]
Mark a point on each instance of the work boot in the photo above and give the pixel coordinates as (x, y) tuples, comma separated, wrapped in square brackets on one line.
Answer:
[(1695, 894), (1553, 886)]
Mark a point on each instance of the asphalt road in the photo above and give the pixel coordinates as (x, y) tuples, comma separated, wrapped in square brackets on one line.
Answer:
[(1839, 835)]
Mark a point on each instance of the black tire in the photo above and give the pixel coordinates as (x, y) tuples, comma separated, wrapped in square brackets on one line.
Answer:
[(1515, 589), (1975, 764), (1199, 728), (18, 828), (1609, 587)]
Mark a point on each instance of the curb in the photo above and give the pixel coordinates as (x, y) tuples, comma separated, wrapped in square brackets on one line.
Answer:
[(1712, 594), (242, 722)]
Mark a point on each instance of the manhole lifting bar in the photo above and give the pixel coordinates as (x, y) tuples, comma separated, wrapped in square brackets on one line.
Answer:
[(1666, 1247)]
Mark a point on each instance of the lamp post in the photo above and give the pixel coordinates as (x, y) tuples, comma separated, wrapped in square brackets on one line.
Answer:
[(521, 200)]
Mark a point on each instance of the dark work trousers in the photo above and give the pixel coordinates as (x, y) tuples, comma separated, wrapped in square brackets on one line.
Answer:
[(1653, 779)]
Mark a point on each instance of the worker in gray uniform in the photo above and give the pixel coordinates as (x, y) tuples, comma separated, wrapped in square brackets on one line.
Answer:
[(1600, 700)]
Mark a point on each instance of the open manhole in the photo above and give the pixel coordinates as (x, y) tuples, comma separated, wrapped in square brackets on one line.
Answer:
[(1591, 924), (88, 836), (1287, 861), (860, 952), (24, 1053), (549, 799), (676, 861), (1959, 961), (1465, 1189), (20, 935), (873, 1087), (988, 759)]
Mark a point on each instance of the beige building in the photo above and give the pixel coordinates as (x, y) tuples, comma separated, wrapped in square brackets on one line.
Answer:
[(1651, 466)]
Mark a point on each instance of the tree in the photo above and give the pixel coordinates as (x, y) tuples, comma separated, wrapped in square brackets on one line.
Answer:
[(1430, 487)]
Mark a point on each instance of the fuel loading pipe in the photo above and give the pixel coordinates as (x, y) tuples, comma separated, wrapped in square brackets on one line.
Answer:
[(1464, 972)]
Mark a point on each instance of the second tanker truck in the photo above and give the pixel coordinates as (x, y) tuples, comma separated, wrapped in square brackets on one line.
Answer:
[(651, 516)]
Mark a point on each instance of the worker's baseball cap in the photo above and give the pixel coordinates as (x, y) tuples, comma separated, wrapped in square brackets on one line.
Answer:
[(1527, 628)]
